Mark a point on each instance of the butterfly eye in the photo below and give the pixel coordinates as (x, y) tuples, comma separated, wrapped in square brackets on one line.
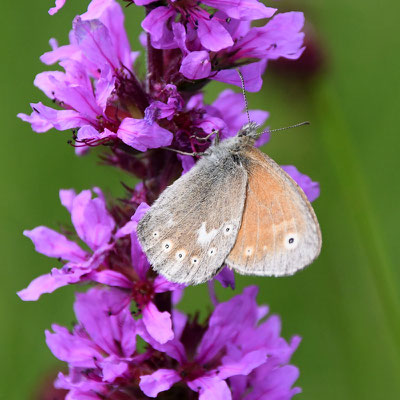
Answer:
[(291, 241), (212, 251), (228, 229), (167, 246), (180, 255)]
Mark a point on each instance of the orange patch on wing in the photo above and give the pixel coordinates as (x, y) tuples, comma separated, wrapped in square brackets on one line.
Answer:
[(269, 214)]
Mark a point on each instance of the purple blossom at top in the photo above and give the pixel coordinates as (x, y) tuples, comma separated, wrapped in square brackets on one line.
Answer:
[(201, 26), (98, 52)]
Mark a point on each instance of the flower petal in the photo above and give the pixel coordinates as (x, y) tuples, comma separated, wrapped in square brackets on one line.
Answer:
[(158, 324), (91, 220), (251, 74), (104, 87), (242, 9), (53, 244), (244, 366), (76, 350), (196, 65), (38, 123), (174, 348), (67, 197), (57, 7), (159, 381), (187, 162), (110, 278), (50, 282), (142, 136), (211, 388), (138, 258), (226, 277), (115, 334), (310, 188), (156, 24), (110, 13), (212, 35), (161, 285), (94, 40)]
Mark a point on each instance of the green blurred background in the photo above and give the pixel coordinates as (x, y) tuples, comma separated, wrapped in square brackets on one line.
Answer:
[(345, 306)]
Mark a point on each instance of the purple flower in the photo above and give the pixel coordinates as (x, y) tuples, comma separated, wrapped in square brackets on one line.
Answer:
[(254, 46), (237, 352), (235, 344), (200, 26), (310, 188), (102, 346), (93, 225), (138, 284), (99, 50)]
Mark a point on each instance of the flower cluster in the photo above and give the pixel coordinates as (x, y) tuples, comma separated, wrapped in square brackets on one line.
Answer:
[(236, 353)]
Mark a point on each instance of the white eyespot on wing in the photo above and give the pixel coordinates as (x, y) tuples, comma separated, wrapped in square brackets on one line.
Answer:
[(156, 234), (291, 241), (249, 251), (195, 260), (212, 251), (166, 246), (203, 237), (180, 255), (228, 229)]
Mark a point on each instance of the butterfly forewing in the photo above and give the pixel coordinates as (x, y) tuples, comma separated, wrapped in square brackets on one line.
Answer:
[(279, 233), (191, 228)]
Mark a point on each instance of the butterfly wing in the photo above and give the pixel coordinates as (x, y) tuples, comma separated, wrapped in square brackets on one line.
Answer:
[(279, 233), (192, 226)]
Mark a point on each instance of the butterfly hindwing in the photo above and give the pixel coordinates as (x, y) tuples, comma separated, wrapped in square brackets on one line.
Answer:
[(192, 226), (279, 232)]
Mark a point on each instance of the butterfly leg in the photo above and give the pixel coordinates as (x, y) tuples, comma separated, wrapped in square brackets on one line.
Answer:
[(214, 132), (183, 152)]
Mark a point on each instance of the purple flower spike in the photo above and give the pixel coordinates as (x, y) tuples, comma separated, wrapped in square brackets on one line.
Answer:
[(310, 188), (236, 352)]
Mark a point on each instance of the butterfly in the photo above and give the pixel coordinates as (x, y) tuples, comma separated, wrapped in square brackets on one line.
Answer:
[(236, 206)]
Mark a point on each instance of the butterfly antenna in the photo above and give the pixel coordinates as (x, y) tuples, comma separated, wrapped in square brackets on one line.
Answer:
[(287, 127), (244, 94)]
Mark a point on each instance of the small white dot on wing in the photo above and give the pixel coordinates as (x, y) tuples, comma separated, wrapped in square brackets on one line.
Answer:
[(228, 229), (249, 251), (195, 260), (212, 251), (291, 241), (167, 246), (180, 254)]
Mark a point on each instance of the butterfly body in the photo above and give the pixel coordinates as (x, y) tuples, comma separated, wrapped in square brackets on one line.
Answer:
[(235, 206)]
